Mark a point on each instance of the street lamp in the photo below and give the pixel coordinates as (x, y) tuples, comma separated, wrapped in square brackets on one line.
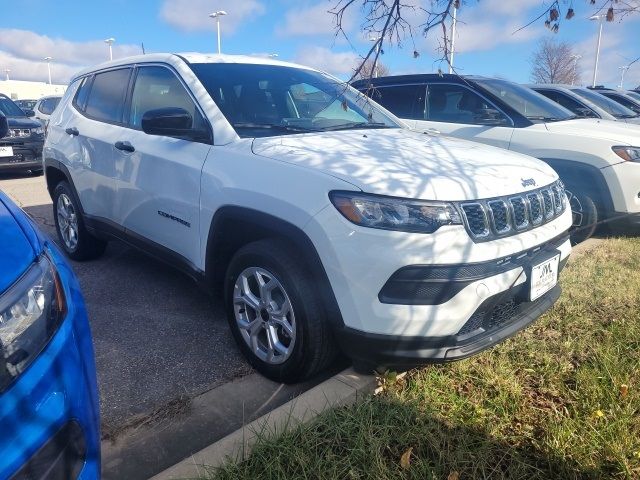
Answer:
[(217, 15), (453, 36), (378, 45), (623, 70), (595, 67), (6, 71), (110, 42), (575, 67), (48, 60)]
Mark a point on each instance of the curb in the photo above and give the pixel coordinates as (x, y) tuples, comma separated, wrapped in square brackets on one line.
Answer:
[(341, 389)]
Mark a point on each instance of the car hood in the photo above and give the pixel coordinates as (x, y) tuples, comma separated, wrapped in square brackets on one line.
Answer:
[(616, 132), (17, 250), (402, 163), (22, 122)]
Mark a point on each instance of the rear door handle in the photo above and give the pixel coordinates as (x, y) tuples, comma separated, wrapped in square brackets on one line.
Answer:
[(432, 131), (72, 131), (125, 147)]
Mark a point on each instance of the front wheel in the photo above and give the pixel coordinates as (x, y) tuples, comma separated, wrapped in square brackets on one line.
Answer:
[(585, 216), (275, 313)]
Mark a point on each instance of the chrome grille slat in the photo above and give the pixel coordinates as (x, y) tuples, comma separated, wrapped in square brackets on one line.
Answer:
[(503, 216)]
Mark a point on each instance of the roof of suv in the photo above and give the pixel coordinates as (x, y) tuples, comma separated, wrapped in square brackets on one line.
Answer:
[(415, 78), (189, 57)]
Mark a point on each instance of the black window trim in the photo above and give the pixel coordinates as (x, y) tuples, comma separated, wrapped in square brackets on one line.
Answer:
[(83, 111), (572, 97), (129, 96), (480, 94)]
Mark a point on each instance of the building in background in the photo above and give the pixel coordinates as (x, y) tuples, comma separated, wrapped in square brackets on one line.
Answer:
[(18, 89)]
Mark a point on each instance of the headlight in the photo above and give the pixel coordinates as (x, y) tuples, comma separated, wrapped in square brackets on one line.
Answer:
[(389, 213), (31, 311), (630, 154), (38, 131)]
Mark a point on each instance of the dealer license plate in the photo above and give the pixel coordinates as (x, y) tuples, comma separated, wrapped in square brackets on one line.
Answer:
[(544, 277), (6, 151)]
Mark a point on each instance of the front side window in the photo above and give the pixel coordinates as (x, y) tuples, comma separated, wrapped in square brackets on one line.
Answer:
[(458, 104), (157, 87), (106, 98), (269, 100), (568, 102), (405, 101), (531, 105)]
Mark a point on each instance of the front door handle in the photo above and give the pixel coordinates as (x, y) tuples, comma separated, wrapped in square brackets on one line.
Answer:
[(125, 147), (72, 131), (432, 131)]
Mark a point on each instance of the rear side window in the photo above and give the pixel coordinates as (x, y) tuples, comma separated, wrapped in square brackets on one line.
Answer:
[(404, 101), (106, 98)]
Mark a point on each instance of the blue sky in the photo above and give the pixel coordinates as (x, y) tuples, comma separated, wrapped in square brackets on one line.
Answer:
[(72, 32)]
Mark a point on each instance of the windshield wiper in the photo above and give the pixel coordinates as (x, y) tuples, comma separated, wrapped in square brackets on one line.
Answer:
[(352, 125), (273, 126)]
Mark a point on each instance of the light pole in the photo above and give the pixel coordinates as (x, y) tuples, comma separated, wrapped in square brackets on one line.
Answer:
[(575, 67), (453, 36), (217, 15), (6, 71), (623, 70), (48, 60), (595, 67), (110, 42), (377, 40)]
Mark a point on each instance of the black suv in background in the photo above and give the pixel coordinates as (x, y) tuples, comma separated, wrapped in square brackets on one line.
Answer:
[(21, 148)]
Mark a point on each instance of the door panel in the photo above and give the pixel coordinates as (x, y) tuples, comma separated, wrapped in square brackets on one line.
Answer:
[(458, 111), (159, 182)]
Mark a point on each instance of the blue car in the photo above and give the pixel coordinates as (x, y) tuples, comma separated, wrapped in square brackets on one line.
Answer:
[(49, 417)]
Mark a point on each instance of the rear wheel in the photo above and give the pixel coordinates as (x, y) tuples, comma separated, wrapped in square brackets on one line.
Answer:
[(276, 314), (74, 238), (585, 216)]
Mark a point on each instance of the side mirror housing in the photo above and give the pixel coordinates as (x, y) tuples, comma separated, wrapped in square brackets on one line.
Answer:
[(4, 126), (586, 113), (29, 113), (168, 122)]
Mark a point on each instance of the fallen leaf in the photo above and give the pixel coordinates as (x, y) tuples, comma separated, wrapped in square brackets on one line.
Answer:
[(624, 390), (453, 476), (405, 459)]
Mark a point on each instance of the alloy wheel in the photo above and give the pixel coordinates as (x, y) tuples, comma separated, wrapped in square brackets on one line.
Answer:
[(67, 221)]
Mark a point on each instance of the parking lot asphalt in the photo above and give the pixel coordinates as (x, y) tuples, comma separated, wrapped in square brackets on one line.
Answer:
[(157, 336)]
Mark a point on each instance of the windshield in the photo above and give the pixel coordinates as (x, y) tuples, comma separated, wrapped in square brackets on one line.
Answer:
[(10, 109), (526, 102), (608, 105), (269, 100)]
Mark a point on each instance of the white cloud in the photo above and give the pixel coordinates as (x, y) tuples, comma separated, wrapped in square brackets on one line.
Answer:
[(336, 63), (23, 51), (193, 15), (315, 20)]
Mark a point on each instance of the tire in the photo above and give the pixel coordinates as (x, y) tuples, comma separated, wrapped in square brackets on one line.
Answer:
[(80, 245), (585, 216), (310, 346)]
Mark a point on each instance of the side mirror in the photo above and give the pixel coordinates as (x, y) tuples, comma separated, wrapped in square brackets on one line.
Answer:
[(585, 112), (4, 126), (168, 122), (29, 113), (490, 117)]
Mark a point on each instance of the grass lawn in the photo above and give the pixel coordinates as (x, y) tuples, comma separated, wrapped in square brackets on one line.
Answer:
[(560, 400)]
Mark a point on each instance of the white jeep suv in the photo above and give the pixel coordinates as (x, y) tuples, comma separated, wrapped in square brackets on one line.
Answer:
[(324, 223), (598, 160)]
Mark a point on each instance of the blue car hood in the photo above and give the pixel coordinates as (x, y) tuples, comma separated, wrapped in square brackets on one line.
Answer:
[(17, 251)]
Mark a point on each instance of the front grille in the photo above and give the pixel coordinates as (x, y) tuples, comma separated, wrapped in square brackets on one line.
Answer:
[(500, 217)]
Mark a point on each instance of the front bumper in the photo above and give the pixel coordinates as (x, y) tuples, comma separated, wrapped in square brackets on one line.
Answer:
[(496, 320), (27, 155), (49, 417)]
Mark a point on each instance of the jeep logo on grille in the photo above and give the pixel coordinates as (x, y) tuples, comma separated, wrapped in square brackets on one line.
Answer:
[(528, 182)]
